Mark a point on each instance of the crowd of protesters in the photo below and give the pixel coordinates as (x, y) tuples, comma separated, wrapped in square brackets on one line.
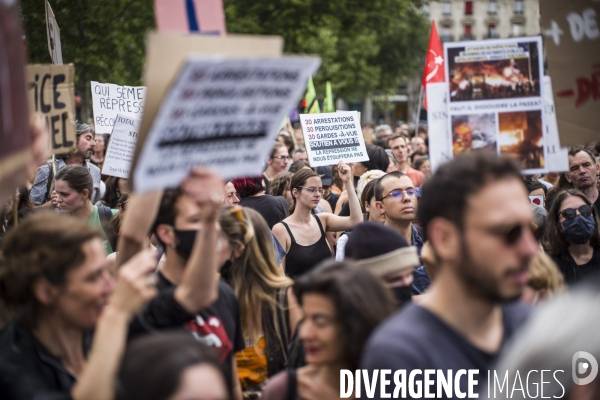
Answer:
[(269, 286)]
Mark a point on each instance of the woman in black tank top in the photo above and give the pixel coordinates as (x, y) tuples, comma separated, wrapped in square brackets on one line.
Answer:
[(302, 234)]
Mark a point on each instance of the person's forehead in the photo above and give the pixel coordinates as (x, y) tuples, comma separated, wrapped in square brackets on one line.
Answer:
[(185, 207), (398, 142), (402, 182), (572, 202), (95, 257), (313, 181), (580, 158), (282, 150), (500, 202)]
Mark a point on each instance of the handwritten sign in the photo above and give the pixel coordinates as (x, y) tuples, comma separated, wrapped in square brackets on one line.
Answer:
[(331, 137), (121, 148), (572, 39), (221, 114), (51, 93), (440, 139), (109, 100), (53, 33), (495, 99)]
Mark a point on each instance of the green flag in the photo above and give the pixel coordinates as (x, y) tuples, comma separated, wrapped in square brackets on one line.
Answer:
[(328, 105), (312, 104)]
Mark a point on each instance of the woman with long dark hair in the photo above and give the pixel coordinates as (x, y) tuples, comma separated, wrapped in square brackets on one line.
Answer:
[(572, 235)]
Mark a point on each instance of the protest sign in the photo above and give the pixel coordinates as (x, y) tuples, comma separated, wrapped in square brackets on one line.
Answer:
[(166, 53), (572, 39), (331, 137), (51, 93), (110, 99), (557, 157), (53, 33), (14, 114), (121, 147), (222, 114), (184, 16), (440, 140), (495, 93)]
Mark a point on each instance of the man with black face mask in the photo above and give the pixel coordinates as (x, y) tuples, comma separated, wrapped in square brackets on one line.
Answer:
[(386, 254), (191, 296)]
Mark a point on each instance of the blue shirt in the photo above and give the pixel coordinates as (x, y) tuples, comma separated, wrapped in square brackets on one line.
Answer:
[(421, 279)]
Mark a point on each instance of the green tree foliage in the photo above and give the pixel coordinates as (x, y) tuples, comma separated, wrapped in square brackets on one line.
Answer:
[(104, 39), (365, 46)]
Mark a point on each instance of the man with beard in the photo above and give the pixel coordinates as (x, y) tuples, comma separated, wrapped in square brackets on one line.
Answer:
[(477, 218), (41, 191), (583, 174)]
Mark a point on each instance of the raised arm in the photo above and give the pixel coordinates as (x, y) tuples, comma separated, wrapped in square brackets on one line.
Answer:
[(335, 223)]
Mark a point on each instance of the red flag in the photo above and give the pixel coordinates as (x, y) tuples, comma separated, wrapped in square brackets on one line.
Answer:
[(434, 63)]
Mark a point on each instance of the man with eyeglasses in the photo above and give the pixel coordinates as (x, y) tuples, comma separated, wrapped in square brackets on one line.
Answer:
[(476, 215), (396, 198), (583, 174)]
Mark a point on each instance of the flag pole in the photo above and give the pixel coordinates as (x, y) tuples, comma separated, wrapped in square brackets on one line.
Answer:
[(417, 117)]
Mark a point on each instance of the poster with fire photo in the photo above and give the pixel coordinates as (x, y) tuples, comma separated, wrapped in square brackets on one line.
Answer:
[(495, 91)]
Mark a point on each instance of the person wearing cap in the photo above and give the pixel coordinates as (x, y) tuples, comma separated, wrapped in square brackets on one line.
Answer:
[(326, 174), (386, 254)]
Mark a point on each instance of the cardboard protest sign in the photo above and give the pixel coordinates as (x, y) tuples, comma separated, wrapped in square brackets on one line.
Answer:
[(53, 33), (110, 99), (440, 139), (121, 147), (183, 16), (572, 39), (51, 93), (14, 114), (166, 53), (496, 101), (222, 114), (331, 137), (557, 157)]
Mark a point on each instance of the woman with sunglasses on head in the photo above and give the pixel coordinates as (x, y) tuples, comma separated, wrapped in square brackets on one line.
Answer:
[(264, 296), (302, 234), (573, 236), (342, 304)]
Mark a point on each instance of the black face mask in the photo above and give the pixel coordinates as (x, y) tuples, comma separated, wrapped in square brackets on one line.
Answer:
[(185, 242), (402, 294)]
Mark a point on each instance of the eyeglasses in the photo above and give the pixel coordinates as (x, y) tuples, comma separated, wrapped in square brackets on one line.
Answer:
[(570, 213), (312, 189), (511, 233), (282, 157), (398, 194)]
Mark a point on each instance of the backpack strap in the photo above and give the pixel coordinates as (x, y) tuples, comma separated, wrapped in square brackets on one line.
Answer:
[(105, 214), (49, 183), (292, 387)]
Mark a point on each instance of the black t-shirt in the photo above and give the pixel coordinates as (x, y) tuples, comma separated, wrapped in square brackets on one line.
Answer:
[(414, 338), (574, 273), (597, 206), (273, 209), (332, 199), (217, 326)]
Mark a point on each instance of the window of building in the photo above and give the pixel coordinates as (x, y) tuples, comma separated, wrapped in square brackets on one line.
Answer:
[(517, 30), (468, 30), (446, 30), (447, 8), (518, 7), (492, 33), (468, 8), (492, 7)]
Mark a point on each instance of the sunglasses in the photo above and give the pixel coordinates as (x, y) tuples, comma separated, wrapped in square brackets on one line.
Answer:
[(511, 233), (570, 213)]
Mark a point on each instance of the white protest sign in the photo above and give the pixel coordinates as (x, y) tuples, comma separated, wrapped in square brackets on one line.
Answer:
[(53, 33), (557, 157), (440, 139), (496, 93), (121, 147), (109, 100), (331, 137), (223, 114)]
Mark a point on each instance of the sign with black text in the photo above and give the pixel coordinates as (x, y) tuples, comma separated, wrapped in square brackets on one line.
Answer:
[(223, 114), (51, 93), (440, 139), (331, 137), (121, 147), (110, 99)]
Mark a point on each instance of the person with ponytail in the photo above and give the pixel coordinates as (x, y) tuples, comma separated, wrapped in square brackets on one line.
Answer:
[(302, 234), (264, 295)]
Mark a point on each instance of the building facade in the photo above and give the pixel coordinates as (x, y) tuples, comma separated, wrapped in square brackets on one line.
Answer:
[(459, 20)]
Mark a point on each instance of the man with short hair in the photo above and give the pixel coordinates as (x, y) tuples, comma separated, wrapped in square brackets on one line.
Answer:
[(418, 144), (300, 154), (41, 191), (383, 132), (583, 174), (396, 198), (401, 151), (477, 219)]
